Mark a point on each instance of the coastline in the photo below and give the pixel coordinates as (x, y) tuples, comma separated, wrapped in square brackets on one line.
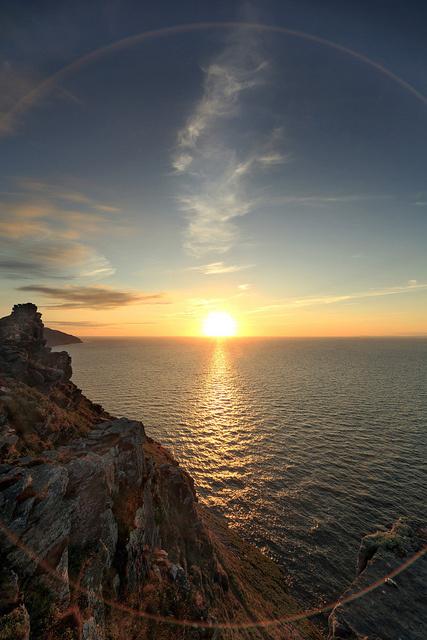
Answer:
[(102, 534)]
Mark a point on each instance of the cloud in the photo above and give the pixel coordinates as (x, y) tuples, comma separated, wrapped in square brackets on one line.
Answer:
[(216, 268), (77, 297), (91, 324), (324, 200), (40, 238), (204, 302), (215, 192), (271, 159), (65, 194), (236, 69), (244, 287), (53, 258), (21, 269), (182, 162), (309, 301), (76, 323)]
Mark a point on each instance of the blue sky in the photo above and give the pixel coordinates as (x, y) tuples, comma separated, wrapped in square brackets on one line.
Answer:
[(272, 175)]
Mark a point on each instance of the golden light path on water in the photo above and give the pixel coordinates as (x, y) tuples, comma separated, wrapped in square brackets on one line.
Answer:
[(7, 120)]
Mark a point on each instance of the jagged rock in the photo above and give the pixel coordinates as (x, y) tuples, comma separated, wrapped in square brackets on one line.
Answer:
[(39, 405), (23, 351), (101, 534), (78, 493), (396, 608)]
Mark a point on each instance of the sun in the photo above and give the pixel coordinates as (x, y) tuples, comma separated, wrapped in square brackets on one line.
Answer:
[(219, 324)]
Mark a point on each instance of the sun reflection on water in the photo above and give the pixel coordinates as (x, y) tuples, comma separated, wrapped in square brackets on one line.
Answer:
[(218, 415), (281, 436), (220, 389)]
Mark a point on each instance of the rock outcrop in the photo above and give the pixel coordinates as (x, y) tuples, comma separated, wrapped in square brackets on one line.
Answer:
[(40, 407), (101, 533), (23, 353), (396, 609), (55, 338)]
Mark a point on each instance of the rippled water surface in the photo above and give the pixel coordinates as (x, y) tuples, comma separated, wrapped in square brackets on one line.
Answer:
[(304, 445)]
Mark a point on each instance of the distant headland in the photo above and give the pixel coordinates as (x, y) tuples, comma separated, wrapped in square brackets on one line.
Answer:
[(55, 338)]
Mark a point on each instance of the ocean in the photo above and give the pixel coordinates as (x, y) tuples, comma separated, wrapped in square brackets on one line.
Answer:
[(305, 445)]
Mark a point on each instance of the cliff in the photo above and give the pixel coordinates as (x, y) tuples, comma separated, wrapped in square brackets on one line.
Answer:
[(101, 533), (55, 338), (395, 561)]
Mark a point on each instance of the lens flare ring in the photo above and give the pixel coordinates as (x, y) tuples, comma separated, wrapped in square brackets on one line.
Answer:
[(30, 99), (198, 624)]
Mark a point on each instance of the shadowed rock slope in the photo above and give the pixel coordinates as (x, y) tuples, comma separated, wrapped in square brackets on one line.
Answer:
[(101, 534)]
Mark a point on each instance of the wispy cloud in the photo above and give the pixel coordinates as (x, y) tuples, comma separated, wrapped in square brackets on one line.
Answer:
[(65, 194), (45, 221), (324, 200), (217, 268), (90, 324), (75, 297), (294, 303), (54, 260), (216, 191), (41, 237), (75, 323)]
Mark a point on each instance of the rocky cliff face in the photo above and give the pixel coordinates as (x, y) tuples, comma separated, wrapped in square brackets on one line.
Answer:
[(396, 609), (101, 534), (23, 353), (40, 407)]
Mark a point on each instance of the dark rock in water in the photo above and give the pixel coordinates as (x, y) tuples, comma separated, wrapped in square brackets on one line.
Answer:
[(101, 533), (55, 338), (397, 608)]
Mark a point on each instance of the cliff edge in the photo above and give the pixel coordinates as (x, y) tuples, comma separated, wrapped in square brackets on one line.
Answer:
[(101, 534)]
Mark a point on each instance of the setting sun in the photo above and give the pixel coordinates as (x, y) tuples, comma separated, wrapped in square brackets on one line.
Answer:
[(219, 324)]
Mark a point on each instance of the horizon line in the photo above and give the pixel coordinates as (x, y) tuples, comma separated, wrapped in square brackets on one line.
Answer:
[(257, 337)]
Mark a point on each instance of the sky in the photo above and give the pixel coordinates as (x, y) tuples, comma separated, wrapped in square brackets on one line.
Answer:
[(159, 161)]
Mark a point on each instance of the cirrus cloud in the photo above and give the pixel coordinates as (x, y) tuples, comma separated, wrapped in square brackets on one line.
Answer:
[(216, 191), (96, 297), (218, 268), (42, 238)]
